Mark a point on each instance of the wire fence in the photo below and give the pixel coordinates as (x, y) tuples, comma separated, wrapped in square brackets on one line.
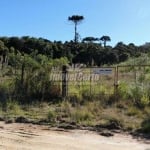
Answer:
[(94, 81)]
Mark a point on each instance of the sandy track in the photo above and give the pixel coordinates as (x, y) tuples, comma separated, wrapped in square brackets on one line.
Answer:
[(33, 137)]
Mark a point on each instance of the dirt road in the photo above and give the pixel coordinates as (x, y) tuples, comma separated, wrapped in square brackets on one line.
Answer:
[(33, 137)]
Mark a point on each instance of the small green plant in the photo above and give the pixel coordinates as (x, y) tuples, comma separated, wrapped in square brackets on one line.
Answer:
[(146, 126), (13, 108), (133, 111), (141, 78), (81, 116), (66, 107), (122, 90), (86, 93), (145, 100), (136, 94), (51, 115)]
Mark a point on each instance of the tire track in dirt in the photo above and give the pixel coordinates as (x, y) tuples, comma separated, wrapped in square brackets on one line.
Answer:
[(30, 137)]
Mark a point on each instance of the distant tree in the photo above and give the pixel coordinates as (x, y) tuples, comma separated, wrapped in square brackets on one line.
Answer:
[(133, 50), (105, 39), (76, 19), (145, 48), (16, 42), (122, 50), (90, 39)]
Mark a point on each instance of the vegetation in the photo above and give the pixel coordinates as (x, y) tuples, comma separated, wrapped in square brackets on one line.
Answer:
[(26, 89), (87, 51), (105, 39)]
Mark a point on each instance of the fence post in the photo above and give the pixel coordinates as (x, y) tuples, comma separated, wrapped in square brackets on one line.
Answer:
[(22, 71), (116, 83), (64, 81)]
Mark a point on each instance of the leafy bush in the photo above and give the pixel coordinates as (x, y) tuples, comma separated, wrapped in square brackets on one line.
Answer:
[(145, 100), (3, 93), (51, 115), (136, 93), (146, 126), (81, 115), (36, 86), (133, 111), (13, 107), (15, 60), (122, 91)]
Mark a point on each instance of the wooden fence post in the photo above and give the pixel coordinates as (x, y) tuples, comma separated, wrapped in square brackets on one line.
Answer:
[(64, 81)]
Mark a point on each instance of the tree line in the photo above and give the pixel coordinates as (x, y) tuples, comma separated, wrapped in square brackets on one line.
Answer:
[(89, 51)]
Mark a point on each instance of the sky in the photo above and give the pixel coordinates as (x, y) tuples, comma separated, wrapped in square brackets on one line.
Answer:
[(126, 21)]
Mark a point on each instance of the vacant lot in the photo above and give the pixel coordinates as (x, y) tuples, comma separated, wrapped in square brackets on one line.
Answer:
[(31, 137)]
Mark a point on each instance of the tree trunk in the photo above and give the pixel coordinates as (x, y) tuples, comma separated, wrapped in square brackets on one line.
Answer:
[(75, 36), (104, 43)]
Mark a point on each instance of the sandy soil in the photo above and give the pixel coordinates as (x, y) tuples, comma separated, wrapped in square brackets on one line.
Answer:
[(34, 137)]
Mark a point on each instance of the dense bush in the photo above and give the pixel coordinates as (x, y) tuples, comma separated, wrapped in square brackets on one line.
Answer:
[(30, 78), (146, 126)]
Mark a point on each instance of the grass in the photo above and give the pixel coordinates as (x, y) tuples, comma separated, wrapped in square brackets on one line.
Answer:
[(91, 103), (90, 113)]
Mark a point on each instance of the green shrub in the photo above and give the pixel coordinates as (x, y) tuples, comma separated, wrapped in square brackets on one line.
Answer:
[(3, 93), (75, 99), (66, 108), (86, 94), (145, 100), (141, 78), (122, 91), (51, 115), (133, 111), (36, 86), (13, 108), (146, 126), (136, 94), (81, 116)]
